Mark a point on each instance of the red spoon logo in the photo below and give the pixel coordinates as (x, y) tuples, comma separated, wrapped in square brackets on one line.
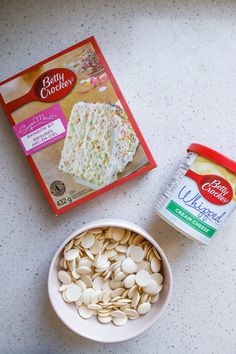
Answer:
[(49, 87), (213, 188)]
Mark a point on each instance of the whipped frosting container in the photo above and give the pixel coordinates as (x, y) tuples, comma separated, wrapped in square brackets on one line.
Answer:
[(201, 195)]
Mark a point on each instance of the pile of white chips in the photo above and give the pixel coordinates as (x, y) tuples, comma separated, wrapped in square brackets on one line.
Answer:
[(112, 273)]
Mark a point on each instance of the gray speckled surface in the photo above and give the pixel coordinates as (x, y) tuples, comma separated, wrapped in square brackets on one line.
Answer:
[(175, 63)]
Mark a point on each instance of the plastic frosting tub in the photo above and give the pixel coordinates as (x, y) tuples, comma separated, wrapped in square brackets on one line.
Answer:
[(201, 195)]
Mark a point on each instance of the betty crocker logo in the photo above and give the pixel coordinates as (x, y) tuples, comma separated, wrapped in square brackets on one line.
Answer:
[(49, 87), (213, 188), (54, 84), (216, 189)]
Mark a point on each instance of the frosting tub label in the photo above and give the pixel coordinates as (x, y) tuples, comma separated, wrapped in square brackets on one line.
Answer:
[(199, 198)]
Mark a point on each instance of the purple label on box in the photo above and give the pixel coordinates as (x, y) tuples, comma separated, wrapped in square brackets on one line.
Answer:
[(41, 130)]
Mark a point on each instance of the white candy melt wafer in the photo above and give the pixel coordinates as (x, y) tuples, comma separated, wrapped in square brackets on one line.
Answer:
[(98, 283), (64, 277), (158, 277), (71, 254), (87, 241), (129, 266), (117, 233), (73, 292), (136, 253), (143, 278), (144, 308), (155, 265), (120, 321), (89, 296), (104, 319), (151, 288), (85, 312), (129, 281), (83, 270)]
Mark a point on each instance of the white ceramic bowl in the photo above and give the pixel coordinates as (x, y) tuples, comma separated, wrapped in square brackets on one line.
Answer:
[(91, 328)]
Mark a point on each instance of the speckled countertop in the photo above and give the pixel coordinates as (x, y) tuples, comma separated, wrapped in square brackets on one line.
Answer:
[(175, 63)]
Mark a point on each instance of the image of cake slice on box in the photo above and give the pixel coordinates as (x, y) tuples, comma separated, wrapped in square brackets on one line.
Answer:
[(100, 142)]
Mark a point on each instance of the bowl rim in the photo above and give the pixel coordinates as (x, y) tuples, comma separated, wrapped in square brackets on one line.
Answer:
[(115, 222)]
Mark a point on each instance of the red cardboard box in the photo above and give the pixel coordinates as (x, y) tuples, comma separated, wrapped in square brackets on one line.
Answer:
[(75, 126)]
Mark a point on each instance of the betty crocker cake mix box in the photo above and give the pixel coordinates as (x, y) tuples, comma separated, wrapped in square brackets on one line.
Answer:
[(74, 126)]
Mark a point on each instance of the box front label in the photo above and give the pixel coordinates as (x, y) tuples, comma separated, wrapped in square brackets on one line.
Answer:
[(41, 130)]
